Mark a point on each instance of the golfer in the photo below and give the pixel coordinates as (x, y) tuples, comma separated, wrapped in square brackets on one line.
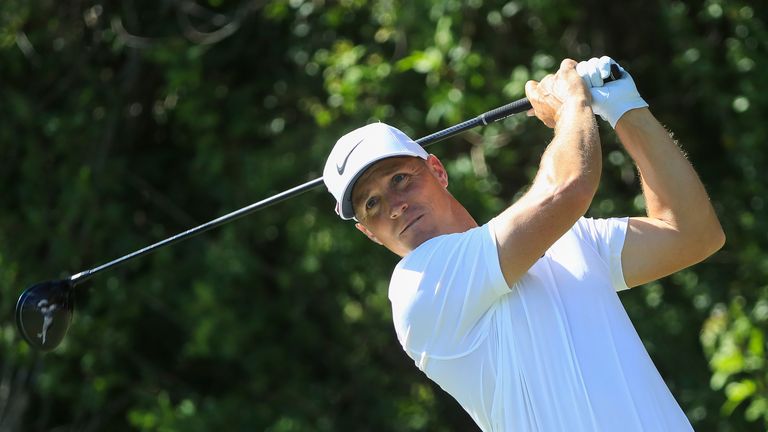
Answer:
[(519, 319)]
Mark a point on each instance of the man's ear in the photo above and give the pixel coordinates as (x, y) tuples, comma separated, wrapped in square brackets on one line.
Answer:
[(437, 169), (368, 233)]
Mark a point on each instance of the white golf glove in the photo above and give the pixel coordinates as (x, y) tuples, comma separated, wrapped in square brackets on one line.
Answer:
[(610, 100)]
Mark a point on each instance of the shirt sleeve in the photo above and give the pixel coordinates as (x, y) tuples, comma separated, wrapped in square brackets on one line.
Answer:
[(442, 293), (606, 236)]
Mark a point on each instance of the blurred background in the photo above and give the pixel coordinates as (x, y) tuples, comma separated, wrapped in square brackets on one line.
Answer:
[(125, 122)]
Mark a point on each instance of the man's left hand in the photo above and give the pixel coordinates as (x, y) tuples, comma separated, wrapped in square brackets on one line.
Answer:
[(610, 100)]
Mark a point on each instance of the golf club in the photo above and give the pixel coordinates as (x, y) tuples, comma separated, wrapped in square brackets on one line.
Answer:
[(45, 309)]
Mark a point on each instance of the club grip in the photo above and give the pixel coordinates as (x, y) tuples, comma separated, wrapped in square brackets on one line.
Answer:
[(615, 73), (522, 105)]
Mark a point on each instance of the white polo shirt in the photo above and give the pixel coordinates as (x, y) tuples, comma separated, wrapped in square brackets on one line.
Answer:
[(555, 352)]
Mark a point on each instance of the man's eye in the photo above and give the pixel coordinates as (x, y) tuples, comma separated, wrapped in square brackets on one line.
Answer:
[(371, 203), (398, 178)]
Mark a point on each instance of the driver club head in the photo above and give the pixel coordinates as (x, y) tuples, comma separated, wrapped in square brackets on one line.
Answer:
[(43, 313)]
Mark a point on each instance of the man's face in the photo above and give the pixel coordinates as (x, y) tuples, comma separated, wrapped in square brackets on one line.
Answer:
[(401, 202)]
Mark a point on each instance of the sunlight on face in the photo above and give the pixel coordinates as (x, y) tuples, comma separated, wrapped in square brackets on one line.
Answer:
[(402, 202)]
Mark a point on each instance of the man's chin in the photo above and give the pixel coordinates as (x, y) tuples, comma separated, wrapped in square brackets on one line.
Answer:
[(414, 239)]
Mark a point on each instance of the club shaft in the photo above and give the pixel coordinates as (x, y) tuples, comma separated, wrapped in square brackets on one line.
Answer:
[(85, 275), (486, 118)]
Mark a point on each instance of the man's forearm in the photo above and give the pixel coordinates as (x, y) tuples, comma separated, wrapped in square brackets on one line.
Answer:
[(562, 191), (567, 179), (672, 189), (574, 156)]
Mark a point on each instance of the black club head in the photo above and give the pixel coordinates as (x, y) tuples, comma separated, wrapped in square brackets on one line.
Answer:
[(43, 313)]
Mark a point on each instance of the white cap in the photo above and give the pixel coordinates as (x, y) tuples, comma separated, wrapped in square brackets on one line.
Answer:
[(357, 151)]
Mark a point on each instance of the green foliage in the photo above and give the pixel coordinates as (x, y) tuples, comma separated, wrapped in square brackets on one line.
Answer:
[(122, 123), (735, 344)]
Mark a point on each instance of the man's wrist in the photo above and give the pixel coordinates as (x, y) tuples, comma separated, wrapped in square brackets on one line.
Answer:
[(634, 118), (574, 105)]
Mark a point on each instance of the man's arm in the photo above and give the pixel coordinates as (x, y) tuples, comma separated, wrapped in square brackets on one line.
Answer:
[(567, 179), (681, 227)]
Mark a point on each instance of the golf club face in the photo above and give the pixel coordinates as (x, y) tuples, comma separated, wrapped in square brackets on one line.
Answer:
[(43, 313)]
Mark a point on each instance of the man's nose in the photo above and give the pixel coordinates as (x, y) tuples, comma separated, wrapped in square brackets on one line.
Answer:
[(397, 206)]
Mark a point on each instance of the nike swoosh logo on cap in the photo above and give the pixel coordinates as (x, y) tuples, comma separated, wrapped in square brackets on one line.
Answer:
[(340, 168)]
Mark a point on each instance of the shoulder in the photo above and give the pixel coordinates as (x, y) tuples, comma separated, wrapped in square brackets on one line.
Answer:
[(445, 266), (441, 290), (436, 249)]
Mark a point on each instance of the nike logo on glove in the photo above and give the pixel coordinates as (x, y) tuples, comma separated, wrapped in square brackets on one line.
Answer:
[(340, 168)]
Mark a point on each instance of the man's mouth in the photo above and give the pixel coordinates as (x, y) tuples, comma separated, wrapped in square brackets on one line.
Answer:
[(411, 223)]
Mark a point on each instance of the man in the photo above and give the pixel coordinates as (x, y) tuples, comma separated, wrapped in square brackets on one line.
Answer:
[(519, 319)]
